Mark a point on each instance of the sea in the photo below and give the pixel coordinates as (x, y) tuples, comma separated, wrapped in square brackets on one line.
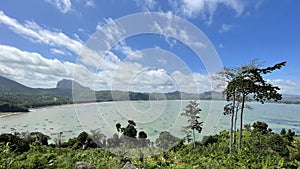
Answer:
[(152, 117)]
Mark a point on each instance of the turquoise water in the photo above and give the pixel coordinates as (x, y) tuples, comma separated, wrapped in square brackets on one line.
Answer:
[(150, 116)]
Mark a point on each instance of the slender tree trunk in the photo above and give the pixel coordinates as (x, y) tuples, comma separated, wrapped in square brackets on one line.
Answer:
[(235, 120), (194, 138), (241, 123), (231, 124)]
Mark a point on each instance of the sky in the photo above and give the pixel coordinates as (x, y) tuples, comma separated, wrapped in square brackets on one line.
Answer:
[(43, 42)]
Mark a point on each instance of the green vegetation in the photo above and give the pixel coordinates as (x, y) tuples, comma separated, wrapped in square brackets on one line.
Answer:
[(243, 82), (5, 107), (262, 149), (192, 111), (20, 102)]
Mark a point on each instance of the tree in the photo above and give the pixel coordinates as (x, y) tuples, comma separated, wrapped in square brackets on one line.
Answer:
[(15, 143), (249, 80), (290, 135), (192, 111), (98, 137), (38, 137), (166, 140), (232, 108), (114, 141), (118, 126), (82, 137), (129, 133), (261, 127), (143, 139)]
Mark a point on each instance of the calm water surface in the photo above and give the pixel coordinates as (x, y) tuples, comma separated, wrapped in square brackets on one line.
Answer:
[(150, 116)]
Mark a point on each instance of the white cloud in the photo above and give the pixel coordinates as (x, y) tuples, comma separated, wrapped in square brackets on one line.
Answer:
[(112, 32), (34, 70), (286, 86), (63, 5), (205, 8), (225, 28), (36, 33), (89, 3), (146, 5), (101, 61), (131, 54), (172, 32), (192, 83), (60, 52), (31, 68)]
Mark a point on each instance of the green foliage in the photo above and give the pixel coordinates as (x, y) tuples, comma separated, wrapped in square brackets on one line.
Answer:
[(5, 107), (15, 143), (261, 127), (243, 81), (260, 150), (192, 111), (278, 145), (166, 140), (128, 138)]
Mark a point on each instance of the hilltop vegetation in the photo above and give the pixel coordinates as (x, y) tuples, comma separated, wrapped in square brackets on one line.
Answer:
[(262, 149)]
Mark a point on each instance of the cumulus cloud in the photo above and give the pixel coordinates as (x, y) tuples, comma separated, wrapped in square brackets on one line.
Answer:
[(31, 68), (38, 34), (193, 82), (97, 69), (63, 5), (34, 70), (205, 8)]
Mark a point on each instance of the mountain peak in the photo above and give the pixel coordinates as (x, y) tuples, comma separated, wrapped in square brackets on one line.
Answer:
[(70, 84)]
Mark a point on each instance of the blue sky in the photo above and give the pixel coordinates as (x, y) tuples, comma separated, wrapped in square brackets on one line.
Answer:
[(41, 42)]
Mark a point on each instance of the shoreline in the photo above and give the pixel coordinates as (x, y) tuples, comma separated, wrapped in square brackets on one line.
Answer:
[(6, 114)]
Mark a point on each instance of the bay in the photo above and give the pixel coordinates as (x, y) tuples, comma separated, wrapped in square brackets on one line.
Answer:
[(150, 116)]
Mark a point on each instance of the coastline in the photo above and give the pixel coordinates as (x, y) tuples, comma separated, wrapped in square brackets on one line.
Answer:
[(10, 114)]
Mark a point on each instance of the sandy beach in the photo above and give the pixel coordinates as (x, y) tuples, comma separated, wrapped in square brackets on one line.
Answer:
[(10, 114)]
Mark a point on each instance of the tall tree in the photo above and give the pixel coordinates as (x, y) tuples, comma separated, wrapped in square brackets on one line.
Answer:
[(233, 107), (192, 111), (249, 80), (227, 75)]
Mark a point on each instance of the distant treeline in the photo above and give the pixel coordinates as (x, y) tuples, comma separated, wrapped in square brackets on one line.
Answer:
[(21, 102)]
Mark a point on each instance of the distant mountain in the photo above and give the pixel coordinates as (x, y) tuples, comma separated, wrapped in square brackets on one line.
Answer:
[(13, 86), (63, 88), (70, 84), (14, 95), (290, 99), (17, 97)]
